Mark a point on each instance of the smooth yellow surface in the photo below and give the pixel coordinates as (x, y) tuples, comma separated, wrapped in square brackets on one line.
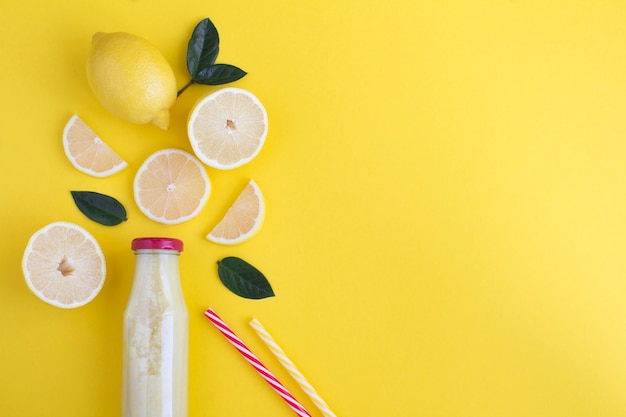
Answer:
[(446, 206), (131, 78)]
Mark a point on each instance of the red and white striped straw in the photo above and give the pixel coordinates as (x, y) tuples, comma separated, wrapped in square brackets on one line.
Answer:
[(256, 363)]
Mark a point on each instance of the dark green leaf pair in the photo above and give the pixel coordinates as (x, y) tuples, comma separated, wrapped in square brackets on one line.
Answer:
[(243, 279), (202, 51), (99, 207)]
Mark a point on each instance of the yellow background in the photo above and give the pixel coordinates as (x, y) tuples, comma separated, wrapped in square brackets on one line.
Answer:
[(446, 204)]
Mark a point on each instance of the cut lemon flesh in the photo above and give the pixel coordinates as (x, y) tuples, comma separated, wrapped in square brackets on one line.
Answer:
[(63, 265), (243, 219), (87, 152), (227, 128), (171, 186)]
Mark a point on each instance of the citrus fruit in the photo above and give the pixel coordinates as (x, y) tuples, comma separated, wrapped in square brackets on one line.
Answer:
[(87, 152), (243, 219), (227, 128), (63, 265), (131, 78), (171, 186)]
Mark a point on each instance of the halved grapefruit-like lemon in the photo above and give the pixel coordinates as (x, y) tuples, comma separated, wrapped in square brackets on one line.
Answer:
[(63, 265)]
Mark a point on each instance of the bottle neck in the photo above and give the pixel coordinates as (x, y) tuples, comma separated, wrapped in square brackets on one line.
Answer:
[(157, 277)]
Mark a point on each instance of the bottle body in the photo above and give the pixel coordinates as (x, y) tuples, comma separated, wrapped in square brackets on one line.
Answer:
[(155, 338)]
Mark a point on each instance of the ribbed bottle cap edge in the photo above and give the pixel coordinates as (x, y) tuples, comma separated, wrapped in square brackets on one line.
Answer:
[(163, 243)]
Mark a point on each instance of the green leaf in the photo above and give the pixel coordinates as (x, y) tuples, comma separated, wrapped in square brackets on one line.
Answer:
[(219, 74), (202, 48), (243, 279), (99, 207)]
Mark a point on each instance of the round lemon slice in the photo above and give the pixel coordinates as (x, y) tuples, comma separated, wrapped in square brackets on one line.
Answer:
[(227, 128), (171, 186)]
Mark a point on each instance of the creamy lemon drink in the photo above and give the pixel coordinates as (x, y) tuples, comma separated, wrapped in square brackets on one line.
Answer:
[(155, 334)]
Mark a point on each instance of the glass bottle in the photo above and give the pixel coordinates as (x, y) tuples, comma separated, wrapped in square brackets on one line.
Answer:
[(155, 333)]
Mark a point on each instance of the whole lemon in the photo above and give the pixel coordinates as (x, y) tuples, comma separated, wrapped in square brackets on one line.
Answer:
[(131, 78)]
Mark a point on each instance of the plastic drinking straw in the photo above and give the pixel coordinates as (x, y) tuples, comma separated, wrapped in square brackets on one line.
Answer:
[(256, 363), (291, 368)]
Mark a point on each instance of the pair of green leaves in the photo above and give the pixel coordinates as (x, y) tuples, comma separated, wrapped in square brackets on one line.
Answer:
[(202, 51)]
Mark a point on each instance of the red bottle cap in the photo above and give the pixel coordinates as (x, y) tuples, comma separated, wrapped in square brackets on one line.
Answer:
[(164, 243)]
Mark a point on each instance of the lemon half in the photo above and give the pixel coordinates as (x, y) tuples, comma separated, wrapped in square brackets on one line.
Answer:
[(63, 265)]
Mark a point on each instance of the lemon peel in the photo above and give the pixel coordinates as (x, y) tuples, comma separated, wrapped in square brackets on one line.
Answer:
[(131, 78)]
